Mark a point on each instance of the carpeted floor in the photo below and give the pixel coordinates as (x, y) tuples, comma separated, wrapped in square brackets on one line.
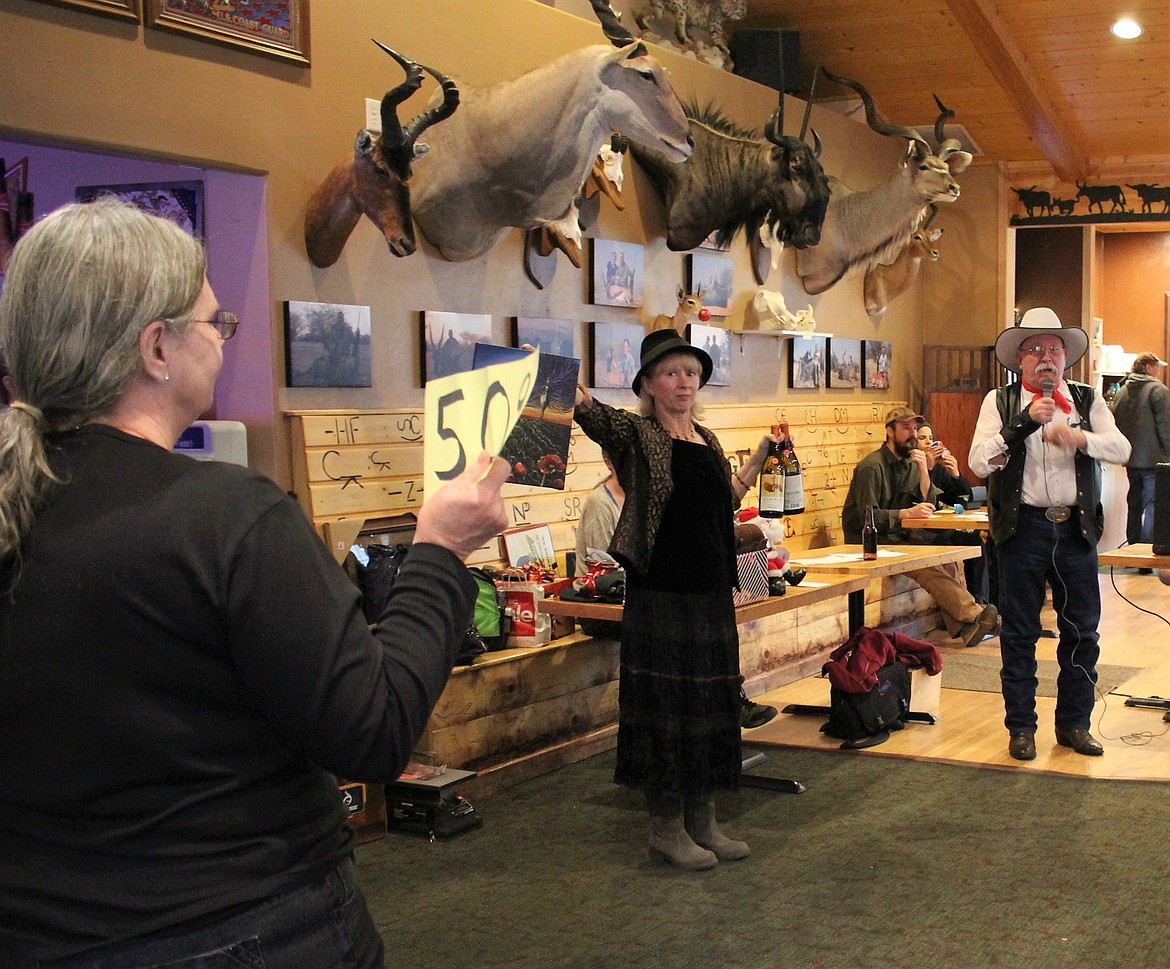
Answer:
[(880, 863), (980, 672)]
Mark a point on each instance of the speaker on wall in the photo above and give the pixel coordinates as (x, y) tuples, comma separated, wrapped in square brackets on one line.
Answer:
[(768, 57), (1162, 509)]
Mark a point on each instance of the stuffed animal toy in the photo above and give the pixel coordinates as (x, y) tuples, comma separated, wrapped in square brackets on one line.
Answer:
[(780, 572)]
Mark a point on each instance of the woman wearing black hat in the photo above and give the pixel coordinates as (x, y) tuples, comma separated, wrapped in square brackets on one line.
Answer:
[(679, 716)]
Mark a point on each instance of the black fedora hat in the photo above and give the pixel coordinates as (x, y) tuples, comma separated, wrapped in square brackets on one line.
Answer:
[(661, 342)]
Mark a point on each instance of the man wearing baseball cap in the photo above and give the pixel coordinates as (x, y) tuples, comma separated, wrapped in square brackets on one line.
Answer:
[(895, 480), (1141, 408), (1038, 442)]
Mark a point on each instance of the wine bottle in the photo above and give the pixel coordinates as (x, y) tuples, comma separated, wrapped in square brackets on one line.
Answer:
[(869, 536), (793, 478), (772, 479)]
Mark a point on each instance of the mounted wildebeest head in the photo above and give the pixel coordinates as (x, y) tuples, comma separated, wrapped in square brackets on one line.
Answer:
[(865, 228), (374, 181), (736, 180)]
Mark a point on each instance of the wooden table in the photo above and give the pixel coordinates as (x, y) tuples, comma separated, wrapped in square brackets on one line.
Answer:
[(1135, 557), (968, 521), (891, 560), (821, 586)]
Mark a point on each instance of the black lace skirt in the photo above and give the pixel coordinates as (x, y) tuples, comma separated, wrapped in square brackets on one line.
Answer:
[(679, 709)]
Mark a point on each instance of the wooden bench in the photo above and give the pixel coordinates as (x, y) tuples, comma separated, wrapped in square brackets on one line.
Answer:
[(516, 713)]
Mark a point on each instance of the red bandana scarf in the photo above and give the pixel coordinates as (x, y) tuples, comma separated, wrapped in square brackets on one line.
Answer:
[(1061, 401)]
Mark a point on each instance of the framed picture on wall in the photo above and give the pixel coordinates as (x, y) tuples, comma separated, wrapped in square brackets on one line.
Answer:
[(326, 345), (711, 272), (275, 28), (616, 273), (806, 358), (876, 375), (549, 336), (716, 342), (180, 202), (121, 9), (448, 341), (614, 351), (844, 363)]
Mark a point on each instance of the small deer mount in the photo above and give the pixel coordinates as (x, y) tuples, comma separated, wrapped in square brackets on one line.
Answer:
[(689, 305)]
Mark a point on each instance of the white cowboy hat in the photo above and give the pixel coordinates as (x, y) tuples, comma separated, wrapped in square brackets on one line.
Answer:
[(1035, 322)]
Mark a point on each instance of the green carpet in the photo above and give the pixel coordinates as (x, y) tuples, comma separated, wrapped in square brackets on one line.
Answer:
[(881, 862), (979, 672)]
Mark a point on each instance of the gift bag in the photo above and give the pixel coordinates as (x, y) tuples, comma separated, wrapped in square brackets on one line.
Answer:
[(753, 577)]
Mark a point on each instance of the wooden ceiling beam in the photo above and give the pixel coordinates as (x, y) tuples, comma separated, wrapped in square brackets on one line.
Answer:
[(1057, 136)]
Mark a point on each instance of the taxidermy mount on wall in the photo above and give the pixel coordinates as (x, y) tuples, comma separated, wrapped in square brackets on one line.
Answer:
[(865, 228), (885, 282), (517, 154), (374, 180)]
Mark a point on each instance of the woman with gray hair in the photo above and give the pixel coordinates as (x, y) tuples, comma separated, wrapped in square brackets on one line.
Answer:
[(183, 667), (679, 690)]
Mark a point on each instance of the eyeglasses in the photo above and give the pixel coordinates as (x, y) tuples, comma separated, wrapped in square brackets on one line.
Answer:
[(224, 323), (1043, 349)]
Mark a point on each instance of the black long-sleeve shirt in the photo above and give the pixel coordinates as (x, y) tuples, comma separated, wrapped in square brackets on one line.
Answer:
[(182, 669)]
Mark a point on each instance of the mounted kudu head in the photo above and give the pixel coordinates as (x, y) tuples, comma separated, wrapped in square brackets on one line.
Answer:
[(374, 181)]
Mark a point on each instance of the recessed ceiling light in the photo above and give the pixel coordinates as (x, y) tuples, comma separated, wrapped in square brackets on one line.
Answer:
[(1126, 29)]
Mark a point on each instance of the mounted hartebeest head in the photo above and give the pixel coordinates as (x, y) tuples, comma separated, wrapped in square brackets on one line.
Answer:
[(885, 282), (374, 181), (863, 229)]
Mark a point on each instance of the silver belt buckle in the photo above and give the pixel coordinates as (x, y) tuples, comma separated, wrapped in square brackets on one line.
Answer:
[(1058, 513)]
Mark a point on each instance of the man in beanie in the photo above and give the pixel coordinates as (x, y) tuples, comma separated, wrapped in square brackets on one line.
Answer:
[(1038, 442), (1142, 411)]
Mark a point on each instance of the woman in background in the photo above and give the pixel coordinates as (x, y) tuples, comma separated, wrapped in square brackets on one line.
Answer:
[(183, 666), (679, 698)]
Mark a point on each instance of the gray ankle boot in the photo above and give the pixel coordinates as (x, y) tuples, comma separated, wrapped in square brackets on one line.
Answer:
[(700, 824), (669, 839)]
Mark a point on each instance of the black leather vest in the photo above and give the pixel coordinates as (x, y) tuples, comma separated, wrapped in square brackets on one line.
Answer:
[(1005, 485)]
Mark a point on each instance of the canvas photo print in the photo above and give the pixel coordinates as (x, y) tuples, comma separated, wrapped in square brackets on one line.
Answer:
[(876, 375), (537, 450), (326, 345), (844, 363), (616, 273), (711, 272), (806, 369), (616, 351), (716, 341), (448, 341)]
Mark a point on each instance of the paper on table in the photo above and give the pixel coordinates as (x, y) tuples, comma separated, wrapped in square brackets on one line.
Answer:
[(471, 412), (839, 558)]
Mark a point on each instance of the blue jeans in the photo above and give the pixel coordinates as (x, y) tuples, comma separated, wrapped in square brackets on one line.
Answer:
[(1139, 521), (1043, 552), (324, 925)]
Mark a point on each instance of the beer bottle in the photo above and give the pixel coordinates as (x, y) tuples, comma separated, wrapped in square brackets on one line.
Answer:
[(793, 478), (869, 536), (772, 479)]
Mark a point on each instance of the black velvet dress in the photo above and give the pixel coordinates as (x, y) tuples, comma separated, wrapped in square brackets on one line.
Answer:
[(678, 722)]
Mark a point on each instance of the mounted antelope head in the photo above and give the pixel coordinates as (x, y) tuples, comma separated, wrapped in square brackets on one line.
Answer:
[(689, 304), (374, 181), (863, 229), (517, 154), (885, 282)]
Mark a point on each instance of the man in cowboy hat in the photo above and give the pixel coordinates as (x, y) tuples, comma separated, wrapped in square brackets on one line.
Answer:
[(895, 481), (1141, 408), (1038, 441)]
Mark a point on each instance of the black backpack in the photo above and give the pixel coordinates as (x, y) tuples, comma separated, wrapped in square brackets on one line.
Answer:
[(865, 719)]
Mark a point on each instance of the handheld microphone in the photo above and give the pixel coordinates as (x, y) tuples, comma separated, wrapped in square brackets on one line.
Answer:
[(1048, 386)]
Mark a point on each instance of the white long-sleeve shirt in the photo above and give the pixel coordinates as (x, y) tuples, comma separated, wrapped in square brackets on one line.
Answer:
[(1049, 470)]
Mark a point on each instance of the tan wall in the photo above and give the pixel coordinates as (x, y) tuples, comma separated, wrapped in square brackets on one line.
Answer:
[(1135, 280), (72, 77)]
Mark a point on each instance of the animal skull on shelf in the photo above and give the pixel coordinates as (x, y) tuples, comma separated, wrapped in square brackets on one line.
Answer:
[(768, 311)]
